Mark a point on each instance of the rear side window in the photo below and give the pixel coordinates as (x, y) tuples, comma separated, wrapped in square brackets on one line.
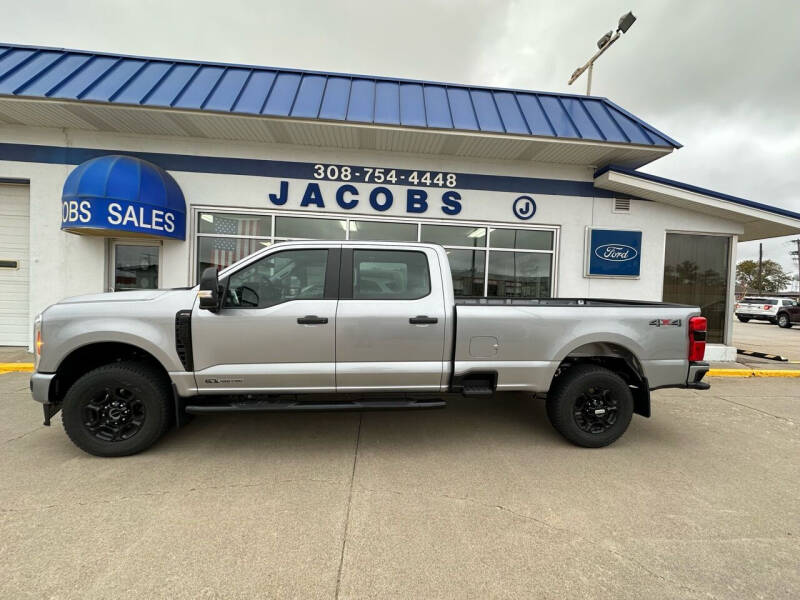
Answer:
[(390, 275)]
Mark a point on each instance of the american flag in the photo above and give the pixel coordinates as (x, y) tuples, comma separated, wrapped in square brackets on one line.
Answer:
[(228, 250)]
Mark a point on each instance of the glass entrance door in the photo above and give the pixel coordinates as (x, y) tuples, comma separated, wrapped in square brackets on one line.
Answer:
[(134, 266), (696, 271)]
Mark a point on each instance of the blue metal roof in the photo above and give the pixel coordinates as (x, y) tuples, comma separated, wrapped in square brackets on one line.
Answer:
[(37, 72), (698, 190)]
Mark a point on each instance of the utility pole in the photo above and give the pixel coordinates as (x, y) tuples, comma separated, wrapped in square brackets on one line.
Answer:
[(760, 261), (796, 254)]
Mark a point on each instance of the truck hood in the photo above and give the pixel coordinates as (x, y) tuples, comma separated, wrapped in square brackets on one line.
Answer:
[(127, 296)]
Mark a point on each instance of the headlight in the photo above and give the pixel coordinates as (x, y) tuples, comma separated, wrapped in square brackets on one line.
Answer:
[(38, 341)]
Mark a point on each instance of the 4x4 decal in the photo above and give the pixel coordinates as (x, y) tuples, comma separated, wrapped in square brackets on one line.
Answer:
[(665, 322)]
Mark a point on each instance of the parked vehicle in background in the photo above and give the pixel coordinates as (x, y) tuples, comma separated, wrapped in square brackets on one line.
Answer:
[(788, 314), (330, 326), (762, 308)]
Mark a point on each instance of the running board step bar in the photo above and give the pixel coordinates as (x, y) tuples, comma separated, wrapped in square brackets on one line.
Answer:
[(313, 405), (477, 388)]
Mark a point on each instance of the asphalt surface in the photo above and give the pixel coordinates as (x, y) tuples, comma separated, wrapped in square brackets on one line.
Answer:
[(481, 500), (763, 336)]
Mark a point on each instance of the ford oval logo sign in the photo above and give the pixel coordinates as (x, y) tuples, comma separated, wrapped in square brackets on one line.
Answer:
[(616, 252)]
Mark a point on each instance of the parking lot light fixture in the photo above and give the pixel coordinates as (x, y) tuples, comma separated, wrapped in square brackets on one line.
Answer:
[(604, 43)]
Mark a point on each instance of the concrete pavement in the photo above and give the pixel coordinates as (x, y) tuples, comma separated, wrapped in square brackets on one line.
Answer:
[(762, 336), (480, 500)]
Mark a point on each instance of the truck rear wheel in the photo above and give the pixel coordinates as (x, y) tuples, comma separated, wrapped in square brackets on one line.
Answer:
[(590, 406), (117, 409)]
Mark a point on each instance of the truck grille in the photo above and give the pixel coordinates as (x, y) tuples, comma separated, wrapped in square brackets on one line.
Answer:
[(183, 338)]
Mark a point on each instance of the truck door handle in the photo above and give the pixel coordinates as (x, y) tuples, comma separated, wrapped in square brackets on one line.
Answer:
[(312, 320), (423, 320)]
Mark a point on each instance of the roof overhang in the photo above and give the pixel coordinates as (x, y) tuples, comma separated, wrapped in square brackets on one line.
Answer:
[(173, 122), (759, 221)]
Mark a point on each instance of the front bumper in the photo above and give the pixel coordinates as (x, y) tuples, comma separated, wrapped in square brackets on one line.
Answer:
[(697, 370), (40, 386)]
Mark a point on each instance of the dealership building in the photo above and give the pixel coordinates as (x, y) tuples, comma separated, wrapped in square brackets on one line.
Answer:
[(122, 172)]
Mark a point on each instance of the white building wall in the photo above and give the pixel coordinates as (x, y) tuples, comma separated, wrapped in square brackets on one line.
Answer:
[(65, 264)]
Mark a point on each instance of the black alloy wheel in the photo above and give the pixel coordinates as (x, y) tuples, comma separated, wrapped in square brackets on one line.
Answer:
[(590, 405), (114, 414), (595, 410), (118, 409)]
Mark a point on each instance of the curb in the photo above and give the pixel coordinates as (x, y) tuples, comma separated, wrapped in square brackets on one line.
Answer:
[(753, 373), (16, 368)]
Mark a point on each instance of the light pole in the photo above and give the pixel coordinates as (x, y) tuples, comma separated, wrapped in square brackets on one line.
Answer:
[(604, 43)]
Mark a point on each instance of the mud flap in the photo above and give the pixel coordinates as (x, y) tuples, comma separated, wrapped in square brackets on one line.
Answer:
[(641, 398), (50, 410), (182, 418)]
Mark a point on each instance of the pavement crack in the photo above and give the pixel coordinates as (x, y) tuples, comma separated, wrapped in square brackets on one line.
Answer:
[(758, 410), (349, 503), (19, 437)]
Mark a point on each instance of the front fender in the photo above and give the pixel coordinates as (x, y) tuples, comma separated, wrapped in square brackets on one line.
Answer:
[(153, 337)]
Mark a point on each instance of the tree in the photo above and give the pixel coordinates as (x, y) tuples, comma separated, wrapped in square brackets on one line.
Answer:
[(773, 277)]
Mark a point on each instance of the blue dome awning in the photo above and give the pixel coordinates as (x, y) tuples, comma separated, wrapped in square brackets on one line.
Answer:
[(123, 195)]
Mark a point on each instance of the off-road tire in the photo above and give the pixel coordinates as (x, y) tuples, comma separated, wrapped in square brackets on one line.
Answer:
[(141, 381), (569, 391)]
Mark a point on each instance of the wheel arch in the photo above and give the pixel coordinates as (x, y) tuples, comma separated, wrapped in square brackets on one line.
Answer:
[(616, 357), (92, 355)]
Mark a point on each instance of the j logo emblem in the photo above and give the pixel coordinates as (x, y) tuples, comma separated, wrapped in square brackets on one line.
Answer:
[(524, 207)]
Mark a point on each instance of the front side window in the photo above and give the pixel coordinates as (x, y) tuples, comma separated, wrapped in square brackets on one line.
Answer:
[(279, 277), (390, 275)]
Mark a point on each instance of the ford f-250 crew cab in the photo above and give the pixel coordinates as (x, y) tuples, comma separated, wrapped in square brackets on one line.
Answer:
[(349, 325)]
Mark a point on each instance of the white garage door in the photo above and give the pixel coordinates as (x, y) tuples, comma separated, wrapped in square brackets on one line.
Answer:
[(14, 267)]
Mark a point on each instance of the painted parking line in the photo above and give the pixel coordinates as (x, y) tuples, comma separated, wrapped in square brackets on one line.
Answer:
[(16, 368), (753, 373)]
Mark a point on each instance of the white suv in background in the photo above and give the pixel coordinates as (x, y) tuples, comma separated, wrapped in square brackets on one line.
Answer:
[(762, 308)]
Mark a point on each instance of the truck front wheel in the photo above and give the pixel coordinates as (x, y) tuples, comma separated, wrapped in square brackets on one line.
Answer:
[(117, 409), (590, 406)]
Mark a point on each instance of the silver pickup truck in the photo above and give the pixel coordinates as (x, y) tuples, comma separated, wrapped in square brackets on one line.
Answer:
[(349, 325)]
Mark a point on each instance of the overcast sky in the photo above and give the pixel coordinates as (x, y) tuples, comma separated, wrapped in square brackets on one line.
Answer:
[(720, 76)]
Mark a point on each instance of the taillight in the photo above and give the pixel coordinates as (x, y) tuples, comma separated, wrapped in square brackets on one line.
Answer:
[(697, 338), (738, 306), (767, 307)]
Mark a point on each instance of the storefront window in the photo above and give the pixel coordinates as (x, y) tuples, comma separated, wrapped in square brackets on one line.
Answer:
[(223, 251), (521, 239), (449, 235), (519, 274), (696, 272), (520, 261), (467, 268), (311, 229), (135, 267), (388, 232)]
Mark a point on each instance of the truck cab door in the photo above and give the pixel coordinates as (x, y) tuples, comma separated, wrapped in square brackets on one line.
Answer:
[(275, 330), (391, 320)]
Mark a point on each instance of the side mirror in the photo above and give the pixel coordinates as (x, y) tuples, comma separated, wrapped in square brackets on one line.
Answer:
[(209, 290)]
